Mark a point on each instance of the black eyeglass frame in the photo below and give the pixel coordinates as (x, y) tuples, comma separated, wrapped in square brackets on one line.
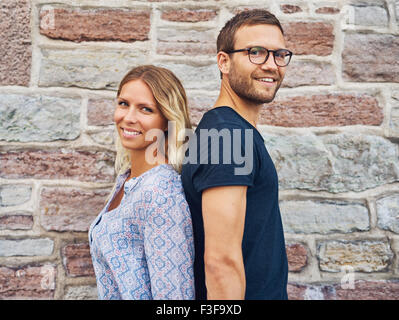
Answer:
[(290, 53)]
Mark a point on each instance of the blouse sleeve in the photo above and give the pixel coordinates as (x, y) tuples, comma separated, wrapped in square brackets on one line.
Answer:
[(169, 246)]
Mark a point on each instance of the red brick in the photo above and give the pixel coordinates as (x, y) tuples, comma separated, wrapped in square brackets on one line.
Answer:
[(187, 15), (289, 8), (90, 166), (27, 282), (16, 222), (15, 42), (327, 10), (100, 112), (77, 260), (316, 38), (297, 257), (323, 110), (75, 24), (70, 209), (296, 291), (369, 290)]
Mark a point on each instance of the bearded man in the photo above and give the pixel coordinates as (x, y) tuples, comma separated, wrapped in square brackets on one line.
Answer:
[(238, 233)]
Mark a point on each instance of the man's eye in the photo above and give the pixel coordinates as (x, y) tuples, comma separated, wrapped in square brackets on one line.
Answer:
[(257, 51), (146, 109), (281, 54)]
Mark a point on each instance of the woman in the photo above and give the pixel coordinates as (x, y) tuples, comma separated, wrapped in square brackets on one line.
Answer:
[(142, 241)]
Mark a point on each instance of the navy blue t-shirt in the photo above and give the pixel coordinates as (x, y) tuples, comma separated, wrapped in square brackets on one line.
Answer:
[(238, 157)]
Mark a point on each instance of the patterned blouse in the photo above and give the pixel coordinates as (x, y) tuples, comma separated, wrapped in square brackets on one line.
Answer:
[(144, 249)]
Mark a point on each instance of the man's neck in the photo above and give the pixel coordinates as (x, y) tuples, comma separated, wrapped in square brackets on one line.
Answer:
[(246, 109)]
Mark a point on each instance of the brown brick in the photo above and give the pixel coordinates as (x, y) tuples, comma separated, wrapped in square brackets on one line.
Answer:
[(27, 282), (100, 112), (289, 8), (323, 110), (297, 257), (77, 260), (327, 10), (369, 290), (16, 222), (75, 24), (370, 58), (315, 38), (90, 166), (70, 209), (187, 15), (15, 42)]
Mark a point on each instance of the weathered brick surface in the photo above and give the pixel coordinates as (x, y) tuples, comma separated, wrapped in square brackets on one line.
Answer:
[(315, 38), (324, 217), (297, 256), (100, 112), (388, 213), (28, 282), (376, 51), (77, 260), (333, 162), (38, 118), (323, 110), (64, 164), (308, 73), (289, 8), (70, 209), (332, 133), (15, 42), (187, 15), (327, 10), (16, 222), (186, 42), (12, 195), (369, 290), (26, 247), (76, 24), (87, 68), (362, 255), (370, 15)]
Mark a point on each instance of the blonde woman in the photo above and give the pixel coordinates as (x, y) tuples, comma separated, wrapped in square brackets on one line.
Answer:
[(142, 241)]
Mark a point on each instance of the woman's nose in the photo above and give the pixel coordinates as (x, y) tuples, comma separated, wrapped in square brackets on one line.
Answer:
[(131, 114)]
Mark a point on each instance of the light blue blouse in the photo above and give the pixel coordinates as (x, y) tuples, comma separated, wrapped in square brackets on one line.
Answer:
[(143, 249)]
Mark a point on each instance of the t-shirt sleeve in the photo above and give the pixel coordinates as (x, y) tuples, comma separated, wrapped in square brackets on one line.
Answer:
[(225, 157)]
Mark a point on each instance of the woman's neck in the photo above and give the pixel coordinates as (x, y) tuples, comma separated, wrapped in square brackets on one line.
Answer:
[(139, 163)]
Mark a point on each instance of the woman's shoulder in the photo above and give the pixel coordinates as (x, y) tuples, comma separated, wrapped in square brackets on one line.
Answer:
[(162, 178)]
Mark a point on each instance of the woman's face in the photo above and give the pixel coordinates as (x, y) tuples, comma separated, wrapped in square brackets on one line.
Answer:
[(137, 113)]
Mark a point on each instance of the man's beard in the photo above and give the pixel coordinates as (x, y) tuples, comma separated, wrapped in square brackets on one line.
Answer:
[(243, 88)]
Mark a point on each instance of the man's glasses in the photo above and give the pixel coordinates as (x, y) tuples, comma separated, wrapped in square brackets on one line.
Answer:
[(259, 55)]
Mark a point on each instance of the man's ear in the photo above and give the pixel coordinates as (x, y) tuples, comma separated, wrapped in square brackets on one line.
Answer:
[(223, 60)]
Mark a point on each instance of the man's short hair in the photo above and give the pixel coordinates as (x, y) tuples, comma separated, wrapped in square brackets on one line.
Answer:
[(226, 39)]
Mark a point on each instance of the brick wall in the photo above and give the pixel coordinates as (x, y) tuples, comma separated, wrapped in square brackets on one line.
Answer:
[(333, 132)]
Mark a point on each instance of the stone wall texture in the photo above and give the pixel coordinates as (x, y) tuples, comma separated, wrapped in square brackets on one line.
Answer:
[(332, 131)]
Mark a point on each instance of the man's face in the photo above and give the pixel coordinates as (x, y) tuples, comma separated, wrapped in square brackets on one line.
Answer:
[(248, 80)]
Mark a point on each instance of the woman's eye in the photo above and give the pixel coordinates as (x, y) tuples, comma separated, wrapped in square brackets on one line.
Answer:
[(122, 103)]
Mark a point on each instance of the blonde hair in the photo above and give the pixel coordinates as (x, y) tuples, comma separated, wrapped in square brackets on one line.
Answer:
[(172, 102)]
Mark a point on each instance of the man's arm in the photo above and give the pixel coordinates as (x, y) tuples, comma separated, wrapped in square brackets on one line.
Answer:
[(223, 210)]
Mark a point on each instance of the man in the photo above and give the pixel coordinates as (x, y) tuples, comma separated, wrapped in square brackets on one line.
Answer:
[(239, 239)]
